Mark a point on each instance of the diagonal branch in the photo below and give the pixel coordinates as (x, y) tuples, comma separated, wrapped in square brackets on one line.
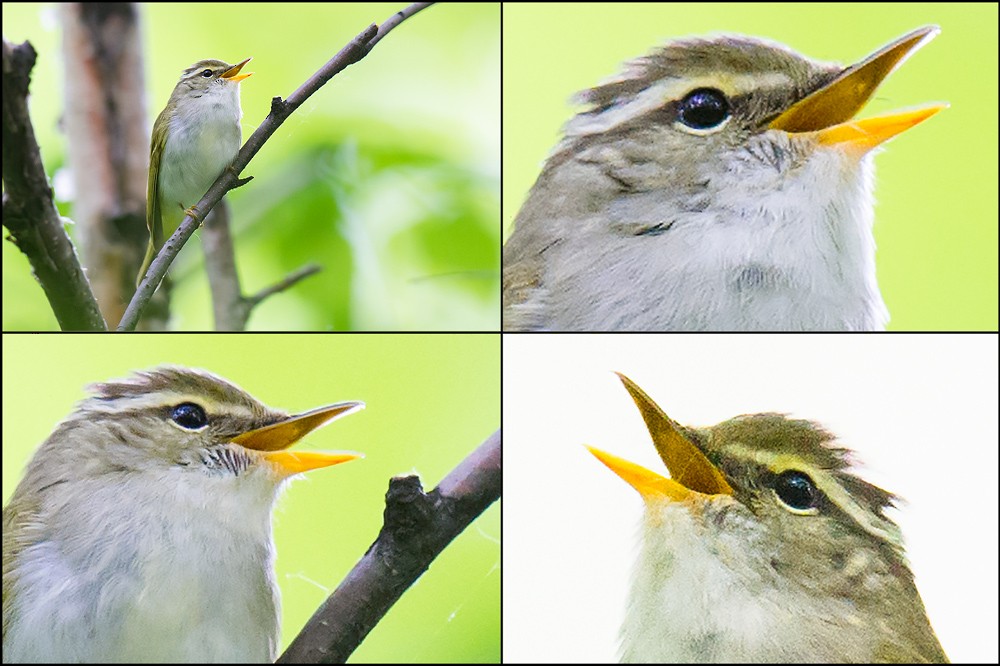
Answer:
[(281, 285), (354, 51), (417, 527)]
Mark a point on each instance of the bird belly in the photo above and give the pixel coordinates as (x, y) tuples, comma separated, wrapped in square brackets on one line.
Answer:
[(174, 590), (196, 152)]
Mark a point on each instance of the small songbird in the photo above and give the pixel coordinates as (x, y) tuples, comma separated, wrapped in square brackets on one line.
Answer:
[(141, 531), (195, 138), (764, 547), (716, 184)]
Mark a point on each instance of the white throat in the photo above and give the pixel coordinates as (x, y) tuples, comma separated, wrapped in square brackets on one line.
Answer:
[(203, 139), (137, 583), (704, 594), (770, 243)]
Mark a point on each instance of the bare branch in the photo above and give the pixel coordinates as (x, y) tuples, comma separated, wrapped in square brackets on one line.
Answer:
[(28, 210), (395, 20), (417, 526), (286, 282), (354, 51), (220, 265), (231, 308)]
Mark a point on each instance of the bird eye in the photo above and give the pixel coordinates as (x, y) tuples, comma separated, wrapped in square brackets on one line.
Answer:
[(796, 490), (703, 108), (189, 416), (206, 73)]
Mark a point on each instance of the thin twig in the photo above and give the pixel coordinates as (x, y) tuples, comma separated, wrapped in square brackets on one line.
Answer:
[(395, 20), (231, 308), (416, 528), (287, 282)]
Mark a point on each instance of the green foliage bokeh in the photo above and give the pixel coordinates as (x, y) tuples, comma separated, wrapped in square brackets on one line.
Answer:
[(431, 399), (936, 192), (388, 176)]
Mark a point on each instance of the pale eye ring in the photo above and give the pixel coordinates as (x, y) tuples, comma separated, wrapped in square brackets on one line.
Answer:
[(206, 73)]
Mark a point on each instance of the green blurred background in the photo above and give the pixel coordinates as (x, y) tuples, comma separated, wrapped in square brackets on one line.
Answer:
[(936, 214), (430, 400), (388, 176)]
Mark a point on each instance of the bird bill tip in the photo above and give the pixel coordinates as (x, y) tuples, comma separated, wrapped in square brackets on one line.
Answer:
[(290, 463), (649, 484), (861, 136), (283, 434)]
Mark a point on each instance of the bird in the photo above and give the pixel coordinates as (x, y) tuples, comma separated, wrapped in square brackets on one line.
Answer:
[(764, 546), (716, 184), (195, 138), (141, 529)]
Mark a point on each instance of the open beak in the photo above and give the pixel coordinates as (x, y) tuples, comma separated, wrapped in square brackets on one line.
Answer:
[(272, 440), (691, 471), (233, 73), (827, 112)]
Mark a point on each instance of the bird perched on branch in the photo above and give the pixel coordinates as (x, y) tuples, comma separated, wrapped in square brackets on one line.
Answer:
[(141, 530)]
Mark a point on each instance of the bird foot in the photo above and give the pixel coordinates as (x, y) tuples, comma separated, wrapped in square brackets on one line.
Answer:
[(193, 212)]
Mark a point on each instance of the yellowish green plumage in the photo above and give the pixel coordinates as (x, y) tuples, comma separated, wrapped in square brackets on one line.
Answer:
[(195, 138)]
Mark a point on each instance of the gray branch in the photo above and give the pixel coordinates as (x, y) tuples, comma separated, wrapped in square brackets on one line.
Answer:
[(231, 308), (417, 526), (29, 213)]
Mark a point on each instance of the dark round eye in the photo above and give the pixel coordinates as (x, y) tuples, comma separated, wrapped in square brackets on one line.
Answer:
[(207, 73), (703, 108), (189, 416), (796, 490)]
